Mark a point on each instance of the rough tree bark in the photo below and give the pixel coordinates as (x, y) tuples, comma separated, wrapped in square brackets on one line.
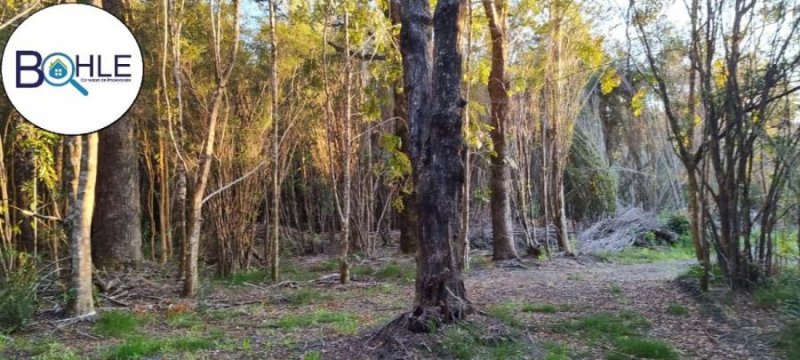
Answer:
[(78, 223), (433, 87), (116, 227), (276, 190), (409, 229), (500, 183)]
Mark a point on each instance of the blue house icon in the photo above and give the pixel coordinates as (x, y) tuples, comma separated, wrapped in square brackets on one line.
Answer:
[(57, 69)]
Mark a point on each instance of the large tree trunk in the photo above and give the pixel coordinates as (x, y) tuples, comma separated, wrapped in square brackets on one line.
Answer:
[(500, 183), (79, 222), (436, 113), (116, 229)]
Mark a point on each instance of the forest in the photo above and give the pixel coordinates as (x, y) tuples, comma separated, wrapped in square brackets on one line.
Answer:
[(417, 179)]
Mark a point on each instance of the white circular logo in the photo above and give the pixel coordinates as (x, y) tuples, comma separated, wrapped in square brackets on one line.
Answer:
[(72, 69)]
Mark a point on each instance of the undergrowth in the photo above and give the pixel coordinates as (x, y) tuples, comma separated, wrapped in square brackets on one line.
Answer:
[(782, 293), (643, 255), (18, 300), (466, 341), (118, 323), (341, 322), (623, 332), (396, 271), (141, 347)]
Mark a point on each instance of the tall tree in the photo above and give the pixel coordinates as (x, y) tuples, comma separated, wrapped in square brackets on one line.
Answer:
[(500, 183), (222, 74), (409, 230), (82, 166), (116, 228), (276, 191), (435, 111), (741, 74)]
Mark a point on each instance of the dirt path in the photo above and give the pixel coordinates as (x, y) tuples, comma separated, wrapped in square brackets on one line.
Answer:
[(585, 287), (315, 316)]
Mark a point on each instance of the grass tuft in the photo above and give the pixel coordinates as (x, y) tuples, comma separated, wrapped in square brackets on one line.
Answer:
[(312, 355), (118, 323), (252, 277), (615, 289), (306, 296), (640, 255), (677, 309), (602, 325), (140, 347), (645, 348), (624, 331), (135, 348), (779, 291), (362, 270), (341, 322), (789, 339), (396, 271), (187, 320), (504, 313), (466, 341), (556, 351), (540, 308)]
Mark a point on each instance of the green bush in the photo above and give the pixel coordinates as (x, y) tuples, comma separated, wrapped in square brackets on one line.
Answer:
[(678, 222), (18, 300), (779, 291)]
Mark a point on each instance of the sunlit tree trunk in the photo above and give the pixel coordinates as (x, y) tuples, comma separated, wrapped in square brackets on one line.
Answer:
[(344, 266), (276, 192), (500, 183), (191, 277), (78, 223)]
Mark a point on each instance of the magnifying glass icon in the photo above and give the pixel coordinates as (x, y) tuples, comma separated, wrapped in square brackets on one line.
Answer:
[(59, 70)]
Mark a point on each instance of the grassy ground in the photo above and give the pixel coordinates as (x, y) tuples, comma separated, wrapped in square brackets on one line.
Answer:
[(562, 309)]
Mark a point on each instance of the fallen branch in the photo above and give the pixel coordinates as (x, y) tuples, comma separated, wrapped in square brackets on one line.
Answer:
[(115, 301), (69, 321)]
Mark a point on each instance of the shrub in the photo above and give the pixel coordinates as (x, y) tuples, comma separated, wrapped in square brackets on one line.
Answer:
[(789, 339), (678, 223), (18, 300), (778, 291)]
